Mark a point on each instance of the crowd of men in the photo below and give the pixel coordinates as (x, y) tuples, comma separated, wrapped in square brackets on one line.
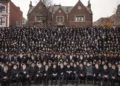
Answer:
[(57, 55), (61, 40)]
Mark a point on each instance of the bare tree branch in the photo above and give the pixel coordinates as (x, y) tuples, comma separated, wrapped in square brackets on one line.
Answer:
[(114, 10), (47, 3)]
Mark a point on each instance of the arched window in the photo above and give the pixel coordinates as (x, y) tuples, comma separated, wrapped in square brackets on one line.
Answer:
[(2, 9)]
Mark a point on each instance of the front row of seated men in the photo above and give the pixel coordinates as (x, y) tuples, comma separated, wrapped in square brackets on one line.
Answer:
[(62, 72)]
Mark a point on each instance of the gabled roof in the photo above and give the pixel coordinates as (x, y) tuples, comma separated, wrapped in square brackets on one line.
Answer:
[(66, 9), (33, 7)]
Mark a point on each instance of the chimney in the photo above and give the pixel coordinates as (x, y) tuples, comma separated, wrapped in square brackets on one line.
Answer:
[(30, 5), (57, 5), (89, 4)]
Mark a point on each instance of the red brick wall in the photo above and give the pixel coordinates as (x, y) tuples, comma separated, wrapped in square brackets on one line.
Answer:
[(35, 12), (15, 14), (60, 14), (67, 22), (6, 14), (80, 12), (117, 22)]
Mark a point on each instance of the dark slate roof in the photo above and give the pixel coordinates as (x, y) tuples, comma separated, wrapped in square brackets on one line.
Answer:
[(66, 9)]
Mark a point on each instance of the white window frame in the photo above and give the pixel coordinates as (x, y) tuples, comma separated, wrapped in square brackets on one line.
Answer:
[(57, 19), (3, 11), (37, 19), (79, 16), (4, 24)]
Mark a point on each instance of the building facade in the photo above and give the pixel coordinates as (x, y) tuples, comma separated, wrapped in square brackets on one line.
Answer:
[(114, 19), (117, 16), (57, 15), (101, 21), (10, 14)]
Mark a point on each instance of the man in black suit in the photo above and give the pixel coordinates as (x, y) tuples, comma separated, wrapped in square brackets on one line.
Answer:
[(54, 74), (113, 75), (68, 72), (14, 77), (61, 73), (81, 73), (97, 74), (74, 74), (25, 75), (46, 75), (32, 71), (118, 74), (39, 73), (89, 72), (105, 75), (5, 75)]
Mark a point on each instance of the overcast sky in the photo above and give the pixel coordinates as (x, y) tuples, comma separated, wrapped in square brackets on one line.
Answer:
[(100, 8)]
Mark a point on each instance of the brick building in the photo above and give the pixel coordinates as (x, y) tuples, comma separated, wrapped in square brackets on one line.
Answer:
[(102, 20), (78, 15), (113, 19), (10, 14), (117, 16)]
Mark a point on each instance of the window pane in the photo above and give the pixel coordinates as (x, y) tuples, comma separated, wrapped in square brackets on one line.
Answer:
[(39, 18), (82, 19), (3, 0), (2, 9), (60, 19), (2, 20), (76, 19), (79, 18)]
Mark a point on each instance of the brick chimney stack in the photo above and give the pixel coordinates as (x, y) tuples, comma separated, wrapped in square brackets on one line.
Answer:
[(89, 4), (30, 6)]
